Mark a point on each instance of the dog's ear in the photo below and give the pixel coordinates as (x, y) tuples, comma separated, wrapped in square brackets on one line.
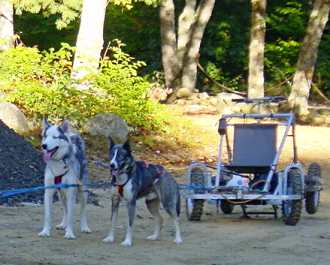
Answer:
[(64, 126), (127, 146), (111, 143), (45, 124)]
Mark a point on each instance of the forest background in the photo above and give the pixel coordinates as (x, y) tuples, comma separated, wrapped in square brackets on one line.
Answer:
[(37, 73)]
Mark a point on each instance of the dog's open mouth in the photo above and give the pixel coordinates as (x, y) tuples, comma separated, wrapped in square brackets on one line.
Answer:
[(48, 154)]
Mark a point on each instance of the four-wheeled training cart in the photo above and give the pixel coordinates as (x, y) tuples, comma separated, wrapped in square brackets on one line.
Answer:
[(248, 171)]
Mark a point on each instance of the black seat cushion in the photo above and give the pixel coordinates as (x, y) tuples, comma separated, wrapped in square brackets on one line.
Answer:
[(254, 147)]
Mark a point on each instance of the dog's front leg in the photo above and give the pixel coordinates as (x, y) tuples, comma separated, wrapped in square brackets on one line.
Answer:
[(115, 201), (71, 202), (83, 193), (48, 201), (62, 197), (131, 205)]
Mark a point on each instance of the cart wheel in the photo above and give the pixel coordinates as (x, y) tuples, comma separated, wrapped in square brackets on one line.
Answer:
[(194, 207), (226, 207), (291, 209), (313, 177)]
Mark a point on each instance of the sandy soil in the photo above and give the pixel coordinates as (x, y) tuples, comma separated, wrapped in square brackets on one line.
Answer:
[(216, 240)]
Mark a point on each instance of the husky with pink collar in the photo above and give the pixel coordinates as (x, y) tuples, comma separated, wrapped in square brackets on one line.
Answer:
[(64, 155)]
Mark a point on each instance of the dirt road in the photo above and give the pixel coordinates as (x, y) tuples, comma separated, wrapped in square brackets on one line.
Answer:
[(216, 240)]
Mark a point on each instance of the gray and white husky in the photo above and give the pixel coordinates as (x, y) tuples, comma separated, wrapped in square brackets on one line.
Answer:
[(64, 155), (136, 179)]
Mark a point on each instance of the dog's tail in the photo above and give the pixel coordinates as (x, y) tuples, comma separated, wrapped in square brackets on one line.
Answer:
[(178, 201)]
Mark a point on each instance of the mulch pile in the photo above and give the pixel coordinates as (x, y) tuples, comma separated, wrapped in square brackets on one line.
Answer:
[(21, 166)]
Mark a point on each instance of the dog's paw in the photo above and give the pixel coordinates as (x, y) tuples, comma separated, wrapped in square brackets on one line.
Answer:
[(153, 237), (44, 233), (126, 243), (60, 227), (178, 241), (69, 235), (109, 239), (85, 229)]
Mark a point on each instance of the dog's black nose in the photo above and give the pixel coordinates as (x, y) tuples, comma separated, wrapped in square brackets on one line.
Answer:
[(44, 146), (112, 166)]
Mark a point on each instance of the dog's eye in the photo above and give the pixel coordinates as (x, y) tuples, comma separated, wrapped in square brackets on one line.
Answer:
[(121, 156), (56, 137)]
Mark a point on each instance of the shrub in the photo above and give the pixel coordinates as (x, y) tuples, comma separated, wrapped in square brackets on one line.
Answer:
[(39, 83), (128, 92)]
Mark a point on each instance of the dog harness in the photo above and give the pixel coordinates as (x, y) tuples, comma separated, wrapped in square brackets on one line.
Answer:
[(121, 190), (58, 179), (159, 172)]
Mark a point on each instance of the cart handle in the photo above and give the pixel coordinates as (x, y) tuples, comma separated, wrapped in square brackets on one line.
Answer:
[(275, 99)]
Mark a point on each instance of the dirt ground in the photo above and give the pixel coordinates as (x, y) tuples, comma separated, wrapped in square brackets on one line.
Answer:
[(216, 240)]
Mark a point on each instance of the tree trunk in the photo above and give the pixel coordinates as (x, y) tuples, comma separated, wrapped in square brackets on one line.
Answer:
[(6, 25), (256, 49), (302, 80), (186, 20), (168, 41), (189, 67), (179, 57), (89, 41)]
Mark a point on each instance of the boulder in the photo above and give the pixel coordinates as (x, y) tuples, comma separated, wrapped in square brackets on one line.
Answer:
[(108, 124), (183, 93), (159, 94), (327, 121), (213, 101), (14, 118), (203, 96), (225, 105), (319, 120)]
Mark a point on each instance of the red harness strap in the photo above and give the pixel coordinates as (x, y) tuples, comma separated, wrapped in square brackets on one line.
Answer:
[(121, 190), (58, 179)]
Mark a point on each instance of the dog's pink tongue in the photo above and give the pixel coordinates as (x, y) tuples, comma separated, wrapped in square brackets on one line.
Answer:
[(46, 156)]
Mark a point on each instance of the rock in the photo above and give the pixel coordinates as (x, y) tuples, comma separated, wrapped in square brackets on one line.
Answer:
[(194, 97), (199, 98), (183, 93), (181, 101), (196, 109), (327, 121), (225, 104), (108, 124), (273, 107), (203, 95), (14, 118), (213, 101), (159, 94), (319, 120), (242, 107)]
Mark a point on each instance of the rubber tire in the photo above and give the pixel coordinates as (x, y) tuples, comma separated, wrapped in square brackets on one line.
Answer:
[(226, 207), (198, 205), (294, 181), (314, 170)]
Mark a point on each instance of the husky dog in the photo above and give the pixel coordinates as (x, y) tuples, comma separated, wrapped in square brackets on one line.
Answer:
[(136, 179), (64, 155)]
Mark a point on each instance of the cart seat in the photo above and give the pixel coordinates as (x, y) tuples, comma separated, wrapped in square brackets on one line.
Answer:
[(254, 148)]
